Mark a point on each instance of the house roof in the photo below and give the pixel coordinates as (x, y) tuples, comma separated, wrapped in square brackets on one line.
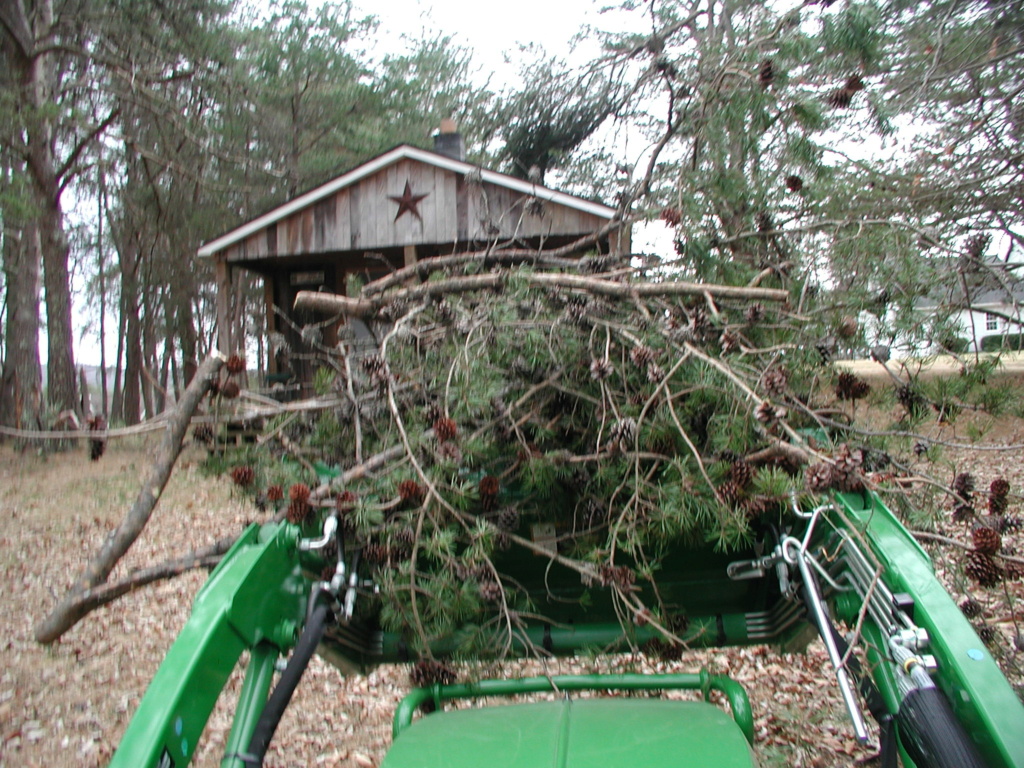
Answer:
[(395, 155)]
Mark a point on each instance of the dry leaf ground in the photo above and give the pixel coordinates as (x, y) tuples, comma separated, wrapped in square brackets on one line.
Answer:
[(69, 704)]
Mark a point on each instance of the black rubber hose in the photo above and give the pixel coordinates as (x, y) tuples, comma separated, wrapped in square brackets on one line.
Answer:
[(931, 734), (282, 694)]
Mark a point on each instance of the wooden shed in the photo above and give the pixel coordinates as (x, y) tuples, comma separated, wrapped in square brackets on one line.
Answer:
[(405, 205)]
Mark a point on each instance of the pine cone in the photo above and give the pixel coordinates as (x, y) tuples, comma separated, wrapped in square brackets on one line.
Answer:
[(427, 672), (243, 476), (983, 569), (445, 429), (601, 369), (230, 389), (275, 493), (909, 398), (766, 73), (826, 348), (490, 591), (775, 381), (373, 364), (840, 98), (671, 216), (754, 314), (963, 486), (618, 575), (971, 608), (963, 513), (848, 327), (451, 453), (376, 370), (741, 473), (854, 83), (403, 540), (975, 247), (202, 433), (411, 492), (920, 448), (235, 364), (851, 387), (848, 463), (756, 506), (986, 539), (509, 518), (664, 650), (819, 477), (641, 355), (298, 511), (730, 492), (299, 492), (622, 435), (987, 634), (1010, 524), (765, 413), (488, 490), (997, 496), (729, 342), (376, 553), (794, 183), (655, 374)]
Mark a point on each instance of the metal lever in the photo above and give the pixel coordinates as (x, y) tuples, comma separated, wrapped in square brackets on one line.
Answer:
[(795, 554)]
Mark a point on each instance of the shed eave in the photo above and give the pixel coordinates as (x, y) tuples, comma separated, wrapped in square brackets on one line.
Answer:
[(382, 161)]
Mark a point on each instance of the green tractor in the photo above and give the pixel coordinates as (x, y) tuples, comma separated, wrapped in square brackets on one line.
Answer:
[(846, 571)]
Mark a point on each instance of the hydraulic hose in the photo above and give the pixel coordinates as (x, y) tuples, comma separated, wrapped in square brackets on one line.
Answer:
[(282, 693), (931, 734)]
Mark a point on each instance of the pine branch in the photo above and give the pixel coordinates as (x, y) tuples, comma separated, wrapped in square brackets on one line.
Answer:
[(329, 303)]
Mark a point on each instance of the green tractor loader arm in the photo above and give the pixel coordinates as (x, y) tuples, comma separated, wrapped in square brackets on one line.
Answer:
[(255, 601), (847, 571)]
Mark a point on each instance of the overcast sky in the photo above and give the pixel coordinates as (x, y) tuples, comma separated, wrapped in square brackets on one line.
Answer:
[(494, 31)]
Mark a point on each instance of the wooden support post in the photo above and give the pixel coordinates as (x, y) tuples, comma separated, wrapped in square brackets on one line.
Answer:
[(410, 255), (620, 241), (410, 259), (224, 291), (268, 300)]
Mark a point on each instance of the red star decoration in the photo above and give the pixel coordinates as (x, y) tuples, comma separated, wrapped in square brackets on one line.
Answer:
[(407, 201)]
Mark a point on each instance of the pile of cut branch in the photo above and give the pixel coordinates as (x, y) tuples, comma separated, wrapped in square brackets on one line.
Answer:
[(625, 414)]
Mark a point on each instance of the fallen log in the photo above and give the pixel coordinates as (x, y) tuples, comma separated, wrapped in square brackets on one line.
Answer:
[(71, 610)]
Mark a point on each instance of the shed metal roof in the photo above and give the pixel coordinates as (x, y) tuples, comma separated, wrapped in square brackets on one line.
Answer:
[(382, 161)]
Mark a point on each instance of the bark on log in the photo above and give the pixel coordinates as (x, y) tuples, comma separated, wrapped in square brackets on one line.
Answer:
[(99, 596), (329, 303), (558, 258), (69, 611)]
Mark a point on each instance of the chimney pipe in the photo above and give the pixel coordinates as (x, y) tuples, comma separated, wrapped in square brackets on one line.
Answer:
[(448, 141)]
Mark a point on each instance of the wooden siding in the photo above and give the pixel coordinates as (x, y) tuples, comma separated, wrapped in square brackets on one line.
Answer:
[(457, 209)]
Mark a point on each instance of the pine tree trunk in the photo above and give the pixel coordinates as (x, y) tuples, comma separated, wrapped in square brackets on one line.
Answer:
[(45, 190), (148, 369), (21, 382), (102, 267), (131, 336)]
